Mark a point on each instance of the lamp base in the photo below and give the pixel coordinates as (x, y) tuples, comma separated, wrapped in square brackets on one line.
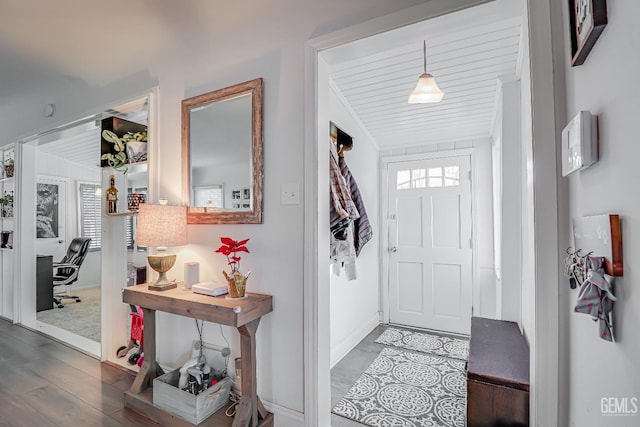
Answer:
[(163, 287), (162, 264)]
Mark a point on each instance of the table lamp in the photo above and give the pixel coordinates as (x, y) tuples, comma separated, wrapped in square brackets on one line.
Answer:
[(161, 226)]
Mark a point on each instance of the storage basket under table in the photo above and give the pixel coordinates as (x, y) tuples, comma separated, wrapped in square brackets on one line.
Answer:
[(189, 407)]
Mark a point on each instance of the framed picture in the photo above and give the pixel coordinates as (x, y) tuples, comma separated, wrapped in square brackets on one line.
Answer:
[(246, 206), (47, 209), (587, 19), (246, 193), (235, 194)]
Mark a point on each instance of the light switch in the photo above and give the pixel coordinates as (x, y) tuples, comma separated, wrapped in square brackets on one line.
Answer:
[(290, 194)]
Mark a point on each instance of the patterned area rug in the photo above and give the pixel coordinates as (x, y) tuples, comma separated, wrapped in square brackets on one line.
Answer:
[(402, 389), (81, 318), (427, 343)]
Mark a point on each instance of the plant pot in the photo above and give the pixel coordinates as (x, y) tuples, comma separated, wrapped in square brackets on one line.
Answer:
[(8, 170), (236, 284)]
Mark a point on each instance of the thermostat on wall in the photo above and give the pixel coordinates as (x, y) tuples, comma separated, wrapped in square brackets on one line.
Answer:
[(579, 143)]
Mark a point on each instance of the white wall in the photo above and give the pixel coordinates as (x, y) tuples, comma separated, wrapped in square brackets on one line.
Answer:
[(509, 296), (268, 43), (355, 304), (606, 85), (49, 165)]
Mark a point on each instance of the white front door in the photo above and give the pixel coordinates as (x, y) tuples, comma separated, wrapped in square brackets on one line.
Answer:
[(430, 256), (51, 216)]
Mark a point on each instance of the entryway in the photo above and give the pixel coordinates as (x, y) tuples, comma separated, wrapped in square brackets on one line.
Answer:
[(430, 271)]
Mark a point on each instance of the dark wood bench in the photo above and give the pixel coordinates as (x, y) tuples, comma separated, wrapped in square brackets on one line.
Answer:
[(497, 375)]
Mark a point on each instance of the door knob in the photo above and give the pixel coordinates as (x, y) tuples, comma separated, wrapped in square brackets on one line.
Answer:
[(61, 241), (393, 249)]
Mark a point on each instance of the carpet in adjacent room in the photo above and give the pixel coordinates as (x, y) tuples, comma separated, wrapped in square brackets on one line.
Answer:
[(81, 318)]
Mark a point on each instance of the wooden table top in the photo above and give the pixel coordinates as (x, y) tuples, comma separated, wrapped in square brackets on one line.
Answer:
[(204, 307)]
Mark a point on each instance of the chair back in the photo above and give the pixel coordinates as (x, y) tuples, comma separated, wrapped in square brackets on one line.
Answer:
[(76, 254)]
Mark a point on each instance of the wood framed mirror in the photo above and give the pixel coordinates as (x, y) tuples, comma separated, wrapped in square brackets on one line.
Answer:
[(222, 157)]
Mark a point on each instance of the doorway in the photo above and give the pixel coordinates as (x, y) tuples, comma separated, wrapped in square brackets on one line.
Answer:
[(64, 166), (430, 250), (317, 299)]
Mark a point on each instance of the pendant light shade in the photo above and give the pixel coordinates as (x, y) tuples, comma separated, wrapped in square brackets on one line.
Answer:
[(427, 89)]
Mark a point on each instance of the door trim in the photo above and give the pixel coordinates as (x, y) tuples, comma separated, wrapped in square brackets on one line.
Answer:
[(384, 229)]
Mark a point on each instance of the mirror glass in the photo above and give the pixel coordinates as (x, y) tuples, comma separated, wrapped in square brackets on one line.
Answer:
[(222, 155)]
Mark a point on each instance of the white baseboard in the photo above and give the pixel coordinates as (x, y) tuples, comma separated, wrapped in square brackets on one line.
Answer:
[(341, 349), (284, 417)]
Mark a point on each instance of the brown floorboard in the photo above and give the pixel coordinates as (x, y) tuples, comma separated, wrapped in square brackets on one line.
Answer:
[(47, 384)]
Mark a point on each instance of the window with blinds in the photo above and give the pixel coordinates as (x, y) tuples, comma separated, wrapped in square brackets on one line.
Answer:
[(90, 197)]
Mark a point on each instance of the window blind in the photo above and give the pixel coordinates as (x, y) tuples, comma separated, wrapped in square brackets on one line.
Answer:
[(90, 196)]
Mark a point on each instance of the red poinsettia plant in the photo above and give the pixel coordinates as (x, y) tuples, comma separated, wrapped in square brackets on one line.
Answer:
[(230, 249)]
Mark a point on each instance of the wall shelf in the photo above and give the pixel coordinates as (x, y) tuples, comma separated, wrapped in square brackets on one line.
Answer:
[(129, 213)]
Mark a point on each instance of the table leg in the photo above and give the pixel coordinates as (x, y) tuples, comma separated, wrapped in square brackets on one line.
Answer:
[(149, 369), (248, 366)]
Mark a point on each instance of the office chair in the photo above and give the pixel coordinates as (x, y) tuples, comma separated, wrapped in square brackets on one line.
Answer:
[(66, 271)]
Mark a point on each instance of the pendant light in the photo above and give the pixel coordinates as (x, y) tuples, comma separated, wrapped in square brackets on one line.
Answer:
[(427, 89)]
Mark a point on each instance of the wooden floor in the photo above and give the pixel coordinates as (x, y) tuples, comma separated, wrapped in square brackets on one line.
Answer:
[(44, 383)]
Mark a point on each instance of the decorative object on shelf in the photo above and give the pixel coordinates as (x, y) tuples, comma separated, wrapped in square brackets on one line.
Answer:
[(134, 200), (7, 204), (112, 196), (123, 142), (579, 143), (237, 282), (161, 226), (8, 168), (136, 146), (119, 159), (587, 19), (427, 90)]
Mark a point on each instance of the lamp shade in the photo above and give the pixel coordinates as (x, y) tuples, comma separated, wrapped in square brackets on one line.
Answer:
[(426, 90), (161, 225)]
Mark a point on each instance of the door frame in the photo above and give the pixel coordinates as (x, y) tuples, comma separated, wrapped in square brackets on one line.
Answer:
[(384, 225), (114, 314), (544, 307)]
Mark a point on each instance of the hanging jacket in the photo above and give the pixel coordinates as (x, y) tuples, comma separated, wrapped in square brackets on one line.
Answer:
[(341, 203), (362, 231)]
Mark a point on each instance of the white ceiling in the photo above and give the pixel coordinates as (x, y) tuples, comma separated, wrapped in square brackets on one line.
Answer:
[(375, 76), (467, 52)]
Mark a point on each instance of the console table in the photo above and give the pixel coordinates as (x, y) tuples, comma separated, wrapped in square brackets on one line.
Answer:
[(242, 314)]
